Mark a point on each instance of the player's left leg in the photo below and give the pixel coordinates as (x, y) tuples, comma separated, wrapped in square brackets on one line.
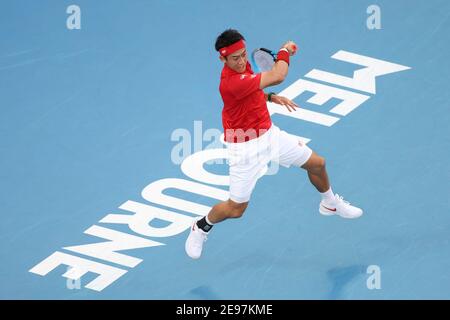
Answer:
[(317, 173), (331, 204), (292, 152)]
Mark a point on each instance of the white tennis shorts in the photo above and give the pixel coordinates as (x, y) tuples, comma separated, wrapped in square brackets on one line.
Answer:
[(248, 161)]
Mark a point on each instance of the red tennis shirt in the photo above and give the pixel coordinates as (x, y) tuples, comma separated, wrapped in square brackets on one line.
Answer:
[(244, 115)]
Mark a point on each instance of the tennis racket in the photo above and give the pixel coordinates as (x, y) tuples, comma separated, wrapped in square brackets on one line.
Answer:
[(263, 59)]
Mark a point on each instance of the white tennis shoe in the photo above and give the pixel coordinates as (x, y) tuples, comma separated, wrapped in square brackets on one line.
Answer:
[(339, 207), (194, 242)]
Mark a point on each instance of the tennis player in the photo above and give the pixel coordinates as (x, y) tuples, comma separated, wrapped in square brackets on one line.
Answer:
[(253, 140)]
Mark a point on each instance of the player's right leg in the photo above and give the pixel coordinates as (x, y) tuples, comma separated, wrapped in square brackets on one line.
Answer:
[(201, 227), (247, 163), (226, 210)]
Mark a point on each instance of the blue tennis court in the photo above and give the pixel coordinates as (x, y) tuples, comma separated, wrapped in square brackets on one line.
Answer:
[(110, 118)]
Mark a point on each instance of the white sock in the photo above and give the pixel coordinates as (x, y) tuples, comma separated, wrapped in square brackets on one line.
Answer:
[(207, 221), (328, 196)]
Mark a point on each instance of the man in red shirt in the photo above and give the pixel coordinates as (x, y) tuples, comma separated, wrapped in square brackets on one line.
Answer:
[(253, 140)]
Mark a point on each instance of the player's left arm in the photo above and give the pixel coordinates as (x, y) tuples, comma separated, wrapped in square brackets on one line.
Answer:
[(289, 104)]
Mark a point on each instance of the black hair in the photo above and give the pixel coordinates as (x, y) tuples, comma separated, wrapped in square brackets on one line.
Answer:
[(228, 37)]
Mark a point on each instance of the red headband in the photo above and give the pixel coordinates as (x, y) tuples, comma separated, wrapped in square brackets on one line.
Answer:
[(225, 51)]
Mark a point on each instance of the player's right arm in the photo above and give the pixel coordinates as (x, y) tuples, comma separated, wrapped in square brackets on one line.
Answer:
[(279, 70)]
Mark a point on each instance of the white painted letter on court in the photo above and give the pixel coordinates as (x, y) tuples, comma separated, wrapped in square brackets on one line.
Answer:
[(374, 280), (73, 283), (74, 20), (373, 21), (108, 250), (79, 266), (363, 79)]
